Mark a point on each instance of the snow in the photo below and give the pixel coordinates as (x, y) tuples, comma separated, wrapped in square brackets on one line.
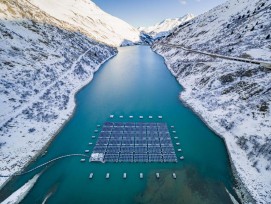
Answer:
[(86, 16), (165, 27), (261, 54), (97, 157), (233, 98), (19, 195), (43, 66)]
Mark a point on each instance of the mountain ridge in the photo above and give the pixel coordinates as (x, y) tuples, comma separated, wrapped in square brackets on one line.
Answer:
[(166, 26)]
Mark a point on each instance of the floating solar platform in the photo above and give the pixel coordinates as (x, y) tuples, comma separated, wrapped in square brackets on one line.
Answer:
[(135, 142)]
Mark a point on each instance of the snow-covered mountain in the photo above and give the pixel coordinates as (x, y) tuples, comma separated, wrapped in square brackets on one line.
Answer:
[(48, 51), (165, 27), (85, 17), (233, 98)]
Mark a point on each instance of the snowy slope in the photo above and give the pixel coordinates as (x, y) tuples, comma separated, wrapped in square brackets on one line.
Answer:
[(165, 27), (89, 19), (42, 66), (233, 98)]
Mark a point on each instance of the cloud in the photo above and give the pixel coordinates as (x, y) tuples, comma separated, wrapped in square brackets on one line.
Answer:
[(183, 2)]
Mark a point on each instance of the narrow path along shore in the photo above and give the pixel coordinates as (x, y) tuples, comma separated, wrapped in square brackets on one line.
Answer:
[(265, 64)]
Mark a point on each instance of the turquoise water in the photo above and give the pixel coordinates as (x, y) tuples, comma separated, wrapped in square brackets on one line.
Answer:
[(135, 82)]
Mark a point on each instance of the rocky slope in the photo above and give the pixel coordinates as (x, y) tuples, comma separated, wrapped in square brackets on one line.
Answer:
[(165, 27), (233, 98), (45, 58)]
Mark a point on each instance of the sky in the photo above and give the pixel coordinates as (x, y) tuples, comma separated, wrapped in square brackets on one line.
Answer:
[(149, 12)]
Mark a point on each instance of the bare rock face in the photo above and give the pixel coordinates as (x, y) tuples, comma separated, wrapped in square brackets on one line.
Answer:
[(233, 98)]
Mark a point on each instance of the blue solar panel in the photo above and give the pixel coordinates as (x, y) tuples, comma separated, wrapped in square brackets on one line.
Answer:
[(141, 158), (126, 158), (118, 124), (127, 149), (108, 124), (155, 158), (99, 149), (141, 149), (113, 149), (168, 150), (138, 142), (153, 142), (127, 142), (115, 142), (111, 157), (129, 124), (169, 158), (106, 128), (152, 124), (154, 149)]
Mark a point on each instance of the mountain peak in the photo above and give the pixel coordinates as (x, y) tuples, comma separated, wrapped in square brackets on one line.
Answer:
[(166, 26)]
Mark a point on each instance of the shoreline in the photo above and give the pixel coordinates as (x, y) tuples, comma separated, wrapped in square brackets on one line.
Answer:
[(242, 193), (62, 125)]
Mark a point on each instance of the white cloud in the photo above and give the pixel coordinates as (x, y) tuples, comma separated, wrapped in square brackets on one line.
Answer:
[(183, 2)]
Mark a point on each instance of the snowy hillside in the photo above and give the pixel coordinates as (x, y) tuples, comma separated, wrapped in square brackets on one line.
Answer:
[(165, 27), (89, 19), (42, 67), (233, 98)]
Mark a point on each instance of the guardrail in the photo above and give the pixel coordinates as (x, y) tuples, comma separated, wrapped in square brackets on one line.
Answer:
[(265, 64)]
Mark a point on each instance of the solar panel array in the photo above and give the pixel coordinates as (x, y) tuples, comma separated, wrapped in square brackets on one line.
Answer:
[(135, 142)]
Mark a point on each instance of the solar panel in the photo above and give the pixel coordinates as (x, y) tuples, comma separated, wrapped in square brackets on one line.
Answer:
[(113, 149), (102, 142), (118, 124), (127, 149), (141, 158), (168, 150), (153, 142), (118, 129), (141, 149), (169, 158), (111, 157), (99, 149), (135, 142), (155, 158), (152, 124), (154, 149), (129, 124), (114, 142), (108, 124), (126, 158)]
